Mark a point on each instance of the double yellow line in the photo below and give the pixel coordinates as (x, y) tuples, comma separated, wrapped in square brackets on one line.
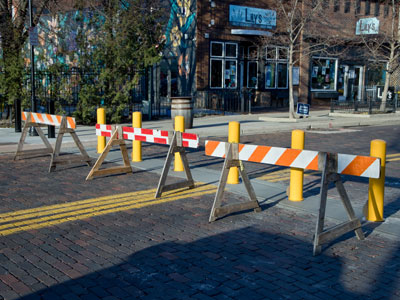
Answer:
[(282, 175), (393, 157), (36, 218)]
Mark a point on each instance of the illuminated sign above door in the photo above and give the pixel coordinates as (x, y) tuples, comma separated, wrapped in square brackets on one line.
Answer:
[(252, 17)]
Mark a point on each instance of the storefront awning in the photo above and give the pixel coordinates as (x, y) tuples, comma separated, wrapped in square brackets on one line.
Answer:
[(250, 32)]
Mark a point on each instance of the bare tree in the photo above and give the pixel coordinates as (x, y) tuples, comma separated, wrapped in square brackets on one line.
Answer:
[(384, 47), (299, 29)]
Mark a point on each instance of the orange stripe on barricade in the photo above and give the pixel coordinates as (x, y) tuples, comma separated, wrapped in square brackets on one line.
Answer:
[(313, 165), (288, 157), (358, 165), (211, 146), (24, 116), (59, 119), (259, 153)]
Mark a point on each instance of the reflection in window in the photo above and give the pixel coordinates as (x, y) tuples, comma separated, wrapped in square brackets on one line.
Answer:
[(216, 73), (231, 50), (252, 74), (217, 49), (323, 73), (282, 75)]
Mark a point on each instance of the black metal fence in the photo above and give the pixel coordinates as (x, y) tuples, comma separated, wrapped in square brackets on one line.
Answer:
[(370, 103), (64, 88)]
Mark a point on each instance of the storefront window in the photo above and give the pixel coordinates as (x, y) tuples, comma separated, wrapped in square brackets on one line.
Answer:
[(376, 75), (276, 68), (323, 73), (223, 65)]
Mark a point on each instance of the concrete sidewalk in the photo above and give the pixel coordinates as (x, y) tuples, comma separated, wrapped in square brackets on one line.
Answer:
[(217, 126)]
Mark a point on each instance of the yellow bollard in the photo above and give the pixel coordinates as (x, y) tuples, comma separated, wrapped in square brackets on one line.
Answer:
[(376, 189), (233, 137), (179, 126), (296, 175), (136, 145), (101, 119)]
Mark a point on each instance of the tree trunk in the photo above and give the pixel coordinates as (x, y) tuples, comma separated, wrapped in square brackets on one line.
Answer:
[(385, 92), (291, 100)]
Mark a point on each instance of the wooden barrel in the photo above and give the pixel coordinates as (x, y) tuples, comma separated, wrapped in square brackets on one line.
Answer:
[(182, 106)]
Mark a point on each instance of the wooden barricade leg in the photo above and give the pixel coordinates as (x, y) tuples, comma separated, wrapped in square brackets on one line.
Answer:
[(115, 140), (323, 236), (69, 159), (36, 152), (232, 160), (176, 146)]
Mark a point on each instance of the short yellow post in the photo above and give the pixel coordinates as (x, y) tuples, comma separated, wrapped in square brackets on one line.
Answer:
[(296, 175), (233, 137), (136, 145), (101, 119), (376, 189), (179, 126)]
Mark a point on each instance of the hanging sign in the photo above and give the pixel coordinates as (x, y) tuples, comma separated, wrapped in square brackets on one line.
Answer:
[(367, 26), (252, 17)]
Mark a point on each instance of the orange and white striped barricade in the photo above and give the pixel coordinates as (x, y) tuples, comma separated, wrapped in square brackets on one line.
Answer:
[(178, 141), (67, 125), (331, 165), (116, 139)]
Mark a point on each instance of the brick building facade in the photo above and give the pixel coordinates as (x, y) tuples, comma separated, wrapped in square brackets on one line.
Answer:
[(232, 68)]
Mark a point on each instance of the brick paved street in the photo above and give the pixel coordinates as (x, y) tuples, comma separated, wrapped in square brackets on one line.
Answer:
[(169, 250)]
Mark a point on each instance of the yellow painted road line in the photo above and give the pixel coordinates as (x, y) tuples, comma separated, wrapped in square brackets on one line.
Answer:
[(76, 205), (393, 159), (393, 155), (148, 201), (92, 207), (71, 204)]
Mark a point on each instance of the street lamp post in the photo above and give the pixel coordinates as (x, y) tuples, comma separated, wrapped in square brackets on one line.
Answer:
[(32, 130)]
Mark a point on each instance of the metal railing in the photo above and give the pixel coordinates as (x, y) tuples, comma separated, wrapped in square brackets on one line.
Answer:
[(371, 103), (65, 87)]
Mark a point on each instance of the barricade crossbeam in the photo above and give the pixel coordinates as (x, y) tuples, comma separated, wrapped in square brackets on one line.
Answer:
[(47, 119), (347, 164), (163, 137), (330, 164)]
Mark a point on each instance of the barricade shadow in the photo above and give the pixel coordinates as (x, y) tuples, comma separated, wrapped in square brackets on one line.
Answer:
[(247, 263), (225, 124)]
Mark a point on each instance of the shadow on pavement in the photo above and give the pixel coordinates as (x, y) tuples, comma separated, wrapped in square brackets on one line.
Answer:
[(242, 264)]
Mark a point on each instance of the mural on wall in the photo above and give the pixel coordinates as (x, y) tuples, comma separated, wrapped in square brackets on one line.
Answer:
[(180, 34), (58, 39)]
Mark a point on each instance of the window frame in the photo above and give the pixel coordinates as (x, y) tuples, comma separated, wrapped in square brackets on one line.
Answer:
[(278, 60), (223, 58)]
